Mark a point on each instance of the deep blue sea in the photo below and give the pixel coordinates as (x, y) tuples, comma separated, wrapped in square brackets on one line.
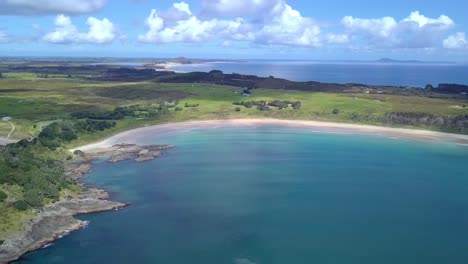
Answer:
[(270, 195), (397, 74)]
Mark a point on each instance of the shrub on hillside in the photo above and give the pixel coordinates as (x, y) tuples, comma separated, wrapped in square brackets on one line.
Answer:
[(191, 105), (33, 197), (20, 205), (3, 196)]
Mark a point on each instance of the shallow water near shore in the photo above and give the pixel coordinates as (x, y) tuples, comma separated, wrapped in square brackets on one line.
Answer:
[(271, 194)]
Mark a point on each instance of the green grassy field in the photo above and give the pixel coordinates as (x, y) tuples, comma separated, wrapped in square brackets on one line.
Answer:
[(32, 102)]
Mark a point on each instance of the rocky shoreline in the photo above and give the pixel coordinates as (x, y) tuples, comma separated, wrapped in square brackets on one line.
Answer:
[(56, 220)]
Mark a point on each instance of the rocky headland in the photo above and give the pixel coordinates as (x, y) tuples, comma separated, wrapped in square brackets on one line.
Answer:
[(56, 220)]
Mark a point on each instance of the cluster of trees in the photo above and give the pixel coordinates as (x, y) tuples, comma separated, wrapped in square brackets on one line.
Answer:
[(261, 105), (449, 123), (90, 126), (285, 104), (120, 113), (264, 106), (54, 135), (117, 114), (59, 133), (41, 179)]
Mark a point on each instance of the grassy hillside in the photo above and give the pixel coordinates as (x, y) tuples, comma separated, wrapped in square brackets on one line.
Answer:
[(38, 101)]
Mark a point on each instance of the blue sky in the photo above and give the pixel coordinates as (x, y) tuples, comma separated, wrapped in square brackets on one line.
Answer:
[(264, 29)]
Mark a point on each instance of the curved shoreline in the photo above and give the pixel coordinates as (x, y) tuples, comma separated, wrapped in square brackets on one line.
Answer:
[(130, 136), (58, 219)]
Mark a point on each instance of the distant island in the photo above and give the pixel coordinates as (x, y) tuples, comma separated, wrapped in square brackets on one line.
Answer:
[(388, 60)]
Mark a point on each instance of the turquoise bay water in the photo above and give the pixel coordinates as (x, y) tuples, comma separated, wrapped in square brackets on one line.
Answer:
[(270, 195)]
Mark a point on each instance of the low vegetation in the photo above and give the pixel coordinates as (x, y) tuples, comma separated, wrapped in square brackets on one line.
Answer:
[(31, 175), (457, 123), (36, 169)]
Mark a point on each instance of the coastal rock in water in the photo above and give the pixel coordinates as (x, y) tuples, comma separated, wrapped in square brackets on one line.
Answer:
[(123, 152), (77, 167), (146, 155)]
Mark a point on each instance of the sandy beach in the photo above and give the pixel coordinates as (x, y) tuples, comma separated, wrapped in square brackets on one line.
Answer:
[(134, 135)]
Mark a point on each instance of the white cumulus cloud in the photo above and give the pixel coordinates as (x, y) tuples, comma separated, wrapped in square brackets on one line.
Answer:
[(414, 31), (47, 7), (289, 27), (179, 25), (277, 24), (456, 41), (99, 32)]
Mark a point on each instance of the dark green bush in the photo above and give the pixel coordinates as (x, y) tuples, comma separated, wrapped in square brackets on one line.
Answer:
[(297, 105), (33, 197), (191, 105), (263, 108), (3, 196), (20, 205), (78, 152)]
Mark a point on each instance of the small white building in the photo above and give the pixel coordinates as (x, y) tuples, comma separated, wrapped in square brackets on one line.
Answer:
[(7, 118)]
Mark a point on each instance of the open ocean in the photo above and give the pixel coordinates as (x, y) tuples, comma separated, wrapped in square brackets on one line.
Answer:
[(397, 74), (270, 195)]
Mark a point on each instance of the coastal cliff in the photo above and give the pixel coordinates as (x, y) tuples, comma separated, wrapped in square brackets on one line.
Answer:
[(56, 220)]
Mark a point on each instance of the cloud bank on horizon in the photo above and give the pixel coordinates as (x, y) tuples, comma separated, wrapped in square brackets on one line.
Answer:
[(264, 23)]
